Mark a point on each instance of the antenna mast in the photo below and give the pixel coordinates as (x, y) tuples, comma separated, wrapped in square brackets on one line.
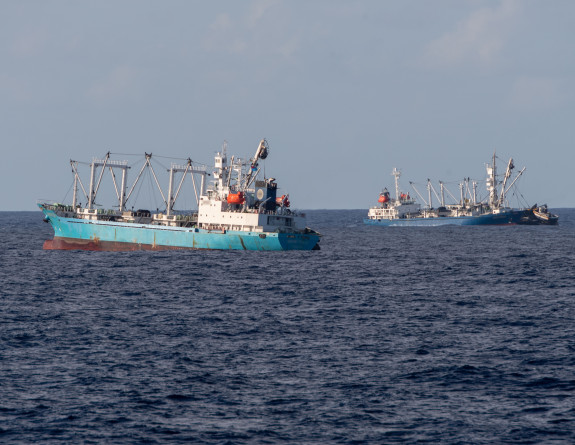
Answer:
[(491, 183), (396, 173)]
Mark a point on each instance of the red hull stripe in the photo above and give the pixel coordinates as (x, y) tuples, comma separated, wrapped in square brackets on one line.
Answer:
[(77, 244)]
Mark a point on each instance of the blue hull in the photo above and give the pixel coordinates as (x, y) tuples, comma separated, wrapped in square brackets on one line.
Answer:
[(505, 218), (72, 234)]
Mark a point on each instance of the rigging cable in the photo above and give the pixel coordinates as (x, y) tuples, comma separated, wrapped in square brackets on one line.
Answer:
[(66, 195)]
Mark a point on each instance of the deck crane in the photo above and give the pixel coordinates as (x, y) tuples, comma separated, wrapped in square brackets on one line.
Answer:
[(261, 153)]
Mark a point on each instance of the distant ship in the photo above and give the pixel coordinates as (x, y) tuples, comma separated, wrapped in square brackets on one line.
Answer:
[(239, 211), (403, 210)]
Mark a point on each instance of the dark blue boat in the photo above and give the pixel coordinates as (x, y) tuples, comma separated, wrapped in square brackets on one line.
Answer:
[(405, 211)]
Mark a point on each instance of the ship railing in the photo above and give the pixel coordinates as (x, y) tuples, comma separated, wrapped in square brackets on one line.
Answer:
[(180, 167), (55, 206), (110, 162), (285, 212), (47, 202), (164, 217)]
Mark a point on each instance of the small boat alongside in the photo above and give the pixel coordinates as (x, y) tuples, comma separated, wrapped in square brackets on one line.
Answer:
[(539, 215)]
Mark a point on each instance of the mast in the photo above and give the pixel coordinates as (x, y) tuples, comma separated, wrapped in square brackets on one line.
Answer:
[(92, 177), (148, 164), (74, 165), (94, 190), (230, 168), (474, 193), (170, 192), (75, 191), (123, 191), (491, 183), (185, 169), (220, 175), (510, 167), (396, 173)]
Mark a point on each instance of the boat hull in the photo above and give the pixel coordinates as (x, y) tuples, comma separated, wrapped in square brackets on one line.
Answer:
[(496, 219), (540, 218), (78, 234)]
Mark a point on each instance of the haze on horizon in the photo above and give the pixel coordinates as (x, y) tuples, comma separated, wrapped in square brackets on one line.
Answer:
[(343, 91)]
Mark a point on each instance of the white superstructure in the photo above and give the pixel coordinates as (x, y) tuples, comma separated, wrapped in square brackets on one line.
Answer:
[(238, 200), (404, 207)]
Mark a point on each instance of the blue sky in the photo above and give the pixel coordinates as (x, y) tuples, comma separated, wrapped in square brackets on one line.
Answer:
[(343, 90)]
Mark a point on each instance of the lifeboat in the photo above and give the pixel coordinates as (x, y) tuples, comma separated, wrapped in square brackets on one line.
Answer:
[(236, 198), (283, 201), (383, 198)]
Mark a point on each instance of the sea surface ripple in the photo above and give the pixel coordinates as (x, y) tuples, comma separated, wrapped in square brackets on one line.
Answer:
[(450, 334)]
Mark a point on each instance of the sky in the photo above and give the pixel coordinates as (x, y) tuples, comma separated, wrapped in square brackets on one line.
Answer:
[(343, 90)]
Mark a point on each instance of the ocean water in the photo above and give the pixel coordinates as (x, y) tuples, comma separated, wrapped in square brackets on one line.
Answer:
[(448, 334)]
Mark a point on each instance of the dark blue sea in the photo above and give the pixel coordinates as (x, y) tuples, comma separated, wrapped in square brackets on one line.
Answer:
[(386, 335)]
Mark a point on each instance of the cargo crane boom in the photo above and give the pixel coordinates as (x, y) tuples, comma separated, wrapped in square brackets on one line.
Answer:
[(261, 153)]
